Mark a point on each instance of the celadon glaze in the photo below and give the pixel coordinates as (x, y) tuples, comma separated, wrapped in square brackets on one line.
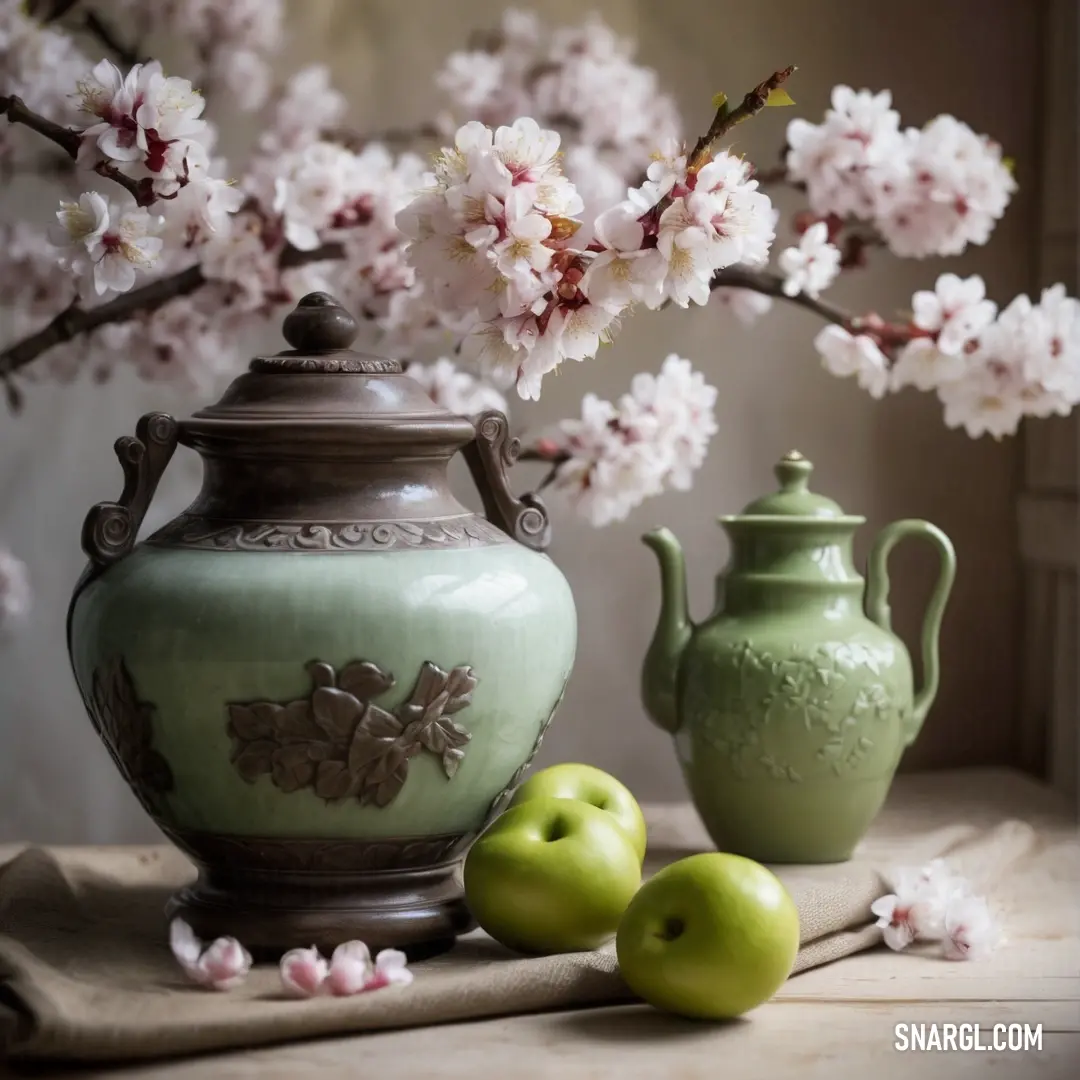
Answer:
[(201, 629), (793, 702)]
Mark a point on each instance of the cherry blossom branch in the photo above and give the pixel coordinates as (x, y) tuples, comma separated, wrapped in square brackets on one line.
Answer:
[(761, 281), (69, 140), (725, 118), (17, 113), (75, 319)]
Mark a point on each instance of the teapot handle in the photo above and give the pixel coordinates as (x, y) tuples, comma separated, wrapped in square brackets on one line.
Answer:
[(489, 456), (111, 528), (877, 604)]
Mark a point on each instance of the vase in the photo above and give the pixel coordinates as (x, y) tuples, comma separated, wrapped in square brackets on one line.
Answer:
[(326, 676), (792, 704)]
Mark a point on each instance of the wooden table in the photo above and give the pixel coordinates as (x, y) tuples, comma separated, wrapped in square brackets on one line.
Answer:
[(830, 1022)]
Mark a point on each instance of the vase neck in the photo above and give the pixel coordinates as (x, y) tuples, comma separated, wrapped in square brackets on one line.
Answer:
[(239, 489)]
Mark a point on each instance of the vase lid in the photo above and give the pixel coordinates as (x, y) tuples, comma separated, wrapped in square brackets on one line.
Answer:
[(794, 499), (321, 391)]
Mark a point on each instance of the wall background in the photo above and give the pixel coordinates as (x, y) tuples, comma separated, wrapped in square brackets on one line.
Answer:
[(883, 459)]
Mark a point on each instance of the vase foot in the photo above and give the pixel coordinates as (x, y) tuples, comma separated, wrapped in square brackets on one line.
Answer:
[(418, 911)]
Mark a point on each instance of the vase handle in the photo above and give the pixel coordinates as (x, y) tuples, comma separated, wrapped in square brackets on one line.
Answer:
[(489, 456), (877, 605), (111, 528)]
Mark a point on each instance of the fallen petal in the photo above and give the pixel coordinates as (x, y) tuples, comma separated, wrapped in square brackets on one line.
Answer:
[(389, 969), (186, 947), (971, 933), (350, 968), (225, 964), (303, 972)]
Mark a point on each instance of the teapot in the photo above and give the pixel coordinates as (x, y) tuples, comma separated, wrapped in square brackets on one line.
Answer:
[(793, 702), (326, 676)]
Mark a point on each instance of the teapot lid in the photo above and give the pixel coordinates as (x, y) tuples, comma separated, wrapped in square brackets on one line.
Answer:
[(321, 392), (794, 499)]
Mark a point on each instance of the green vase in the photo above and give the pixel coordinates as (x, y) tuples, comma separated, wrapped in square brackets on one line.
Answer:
[(326, 676), (793, 702)]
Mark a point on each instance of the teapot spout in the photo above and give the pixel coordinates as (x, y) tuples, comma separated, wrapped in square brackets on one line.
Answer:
[(659, 676)]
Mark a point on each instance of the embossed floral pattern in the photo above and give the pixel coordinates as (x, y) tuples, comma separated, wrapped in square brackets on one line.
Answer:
[(126, 725), (839, 693), (192, 531), (341, 744)]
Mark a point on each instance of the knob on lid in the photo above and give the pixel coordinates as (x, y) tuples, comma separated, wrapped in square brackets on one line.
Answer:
[(794, 498), (321, 332), (322, 397)]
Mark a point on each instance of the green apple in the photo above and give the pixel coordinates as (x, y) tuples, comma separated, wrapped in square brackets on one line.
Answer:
[(590, 785), (710, 936), (551, 875)]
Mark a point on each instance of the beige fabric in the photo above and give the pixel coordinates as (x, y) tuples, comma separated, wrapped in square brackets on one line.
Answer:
[(88, 974)]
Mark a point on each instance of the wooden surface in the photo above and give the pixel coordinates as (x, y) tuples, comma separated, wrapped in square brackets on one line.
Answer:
[(830, 1022)]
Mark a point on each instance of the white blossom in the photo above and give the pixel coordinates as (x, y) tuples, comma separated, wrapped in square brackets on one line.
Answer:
[(813, 265), (313, 184), (928, 192), (1026, 362), (244, 74), (148, 126), (231, 39), (308, 105), (107, 242), (746, 305), (244, 260), (32, 281), (844, 355), (15, 592), (625, 271), (954, 189), (847, 159), (39, 63), (583, 77), (971, 932), (934, 904), (620, 454), (456, 390), (957, 311)]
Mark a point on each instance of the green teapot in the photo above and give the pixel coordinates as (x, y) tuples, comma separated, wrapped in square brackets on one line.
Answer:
[(792, 704)]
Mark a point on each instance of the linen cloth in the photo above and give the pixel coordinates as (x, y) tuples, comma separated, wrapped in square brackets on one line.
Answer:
[(86, 972)]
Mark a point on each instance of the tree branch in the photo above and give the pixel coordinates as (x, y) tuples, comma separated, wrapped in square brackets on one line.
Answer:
[(761, 281), (17, 113), (75, 320), (725, 118), (69, 141)]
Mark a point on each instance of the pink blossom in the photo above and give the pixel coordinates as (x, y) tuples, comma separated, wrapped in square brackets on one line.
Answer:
[(221, 965), (306, 973), (350, 968), (970, 930), (303, 972), (896, 920)]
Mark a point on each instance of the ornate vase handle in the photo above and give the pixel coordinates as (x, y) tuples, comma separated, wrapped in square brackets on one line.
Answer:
[(877, 604), (111, 528), (489, 456)]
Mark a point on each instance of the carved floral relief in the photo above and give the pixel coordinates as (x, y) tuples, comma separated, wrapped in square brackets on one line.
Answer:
[(840, 692), (341, 744), (126, 725)]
